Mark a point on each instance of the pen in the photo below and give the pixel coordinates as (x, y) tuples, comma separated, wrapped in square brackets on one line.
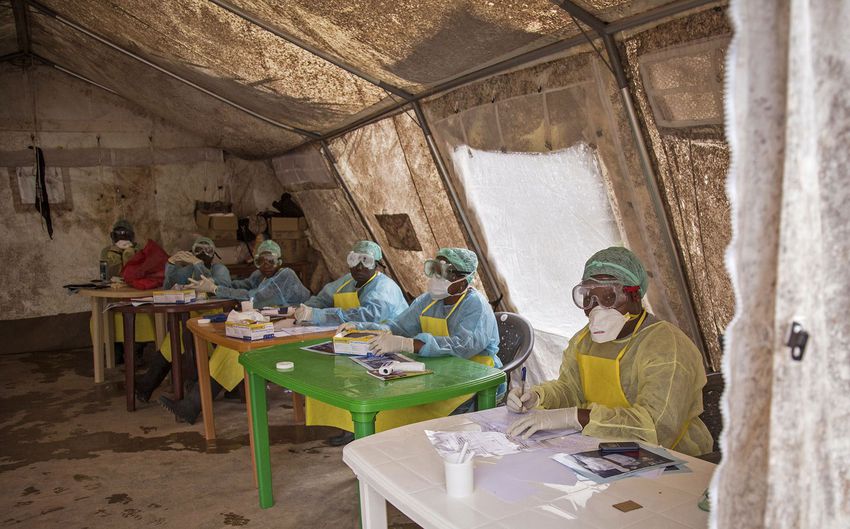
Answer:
[(523, 386)]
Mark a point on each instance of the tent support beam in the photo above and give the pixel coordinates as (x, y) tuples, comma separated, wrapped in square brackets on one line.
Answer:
[(73, 25), (340, 181), (600, 27), (456, 205), (22, 25), (336, 61)]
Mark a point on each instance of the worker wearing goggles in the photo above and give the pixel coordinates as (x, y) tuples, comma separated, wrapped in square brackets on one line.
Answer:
[(364, 294), (195, 265), (625, 376)]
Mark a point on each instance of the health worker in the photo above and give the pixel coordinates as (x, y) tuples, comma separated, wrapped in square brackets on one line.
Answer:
[(625, 376), (198, 263)]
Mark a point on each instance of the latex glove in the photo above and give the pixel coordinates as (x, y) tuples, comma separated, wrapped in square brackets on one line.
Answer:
[(390, 343), (557, 419), (347, 326), (519, 401), (303, 313), (180, 257), (204, 285)]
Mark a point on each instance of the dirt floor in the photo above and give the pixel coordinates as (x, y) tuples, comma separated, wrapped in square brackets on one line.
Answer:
[(71, 456)]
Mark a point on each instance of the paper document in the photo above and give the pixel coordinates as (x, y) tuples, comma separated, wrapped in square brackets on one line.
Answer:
[(501, 418), (605, 468), (482, 444), (141, 301), (299, 330)]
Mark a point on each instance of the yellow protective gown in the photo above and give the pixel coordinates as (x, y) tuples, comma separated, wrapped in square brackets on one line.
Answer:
[(661, 377), (145, 328)]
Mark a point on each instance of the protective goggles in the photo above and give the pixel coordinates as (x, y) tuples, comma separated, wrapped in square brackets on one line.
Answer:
[(122, 234), (606, 294), (203, 249), (355, 258), (266, 258), (442, 269)]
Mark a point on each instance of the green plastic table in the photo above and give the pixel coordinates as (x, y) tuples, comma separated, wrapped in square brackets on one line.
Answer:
[(340, 382)]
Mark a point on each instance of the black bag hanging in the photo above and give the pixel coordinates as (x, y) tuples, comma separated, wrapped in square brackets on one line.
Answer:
[(42, 203)]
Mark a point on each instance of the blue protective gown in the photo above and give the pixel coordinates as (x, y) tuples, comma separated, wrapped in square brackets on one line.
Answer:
[(380, 299), (180, 275), (282, 289)]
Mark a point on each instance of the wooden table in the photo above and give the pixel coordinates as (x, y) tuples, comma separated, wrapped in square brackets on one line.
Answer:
[(204, 334), (340, 382), (176, 315), (400, 466), (103, 325)]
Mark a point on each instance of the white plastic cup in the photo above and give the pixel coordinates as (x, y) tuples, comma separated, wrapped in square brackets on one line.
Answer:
[(458, 476)]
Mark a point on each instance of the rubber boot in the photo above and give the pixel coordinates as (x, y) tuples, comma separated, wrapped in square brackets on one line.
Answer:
[(341, 440), (153, 377), (189, 407)]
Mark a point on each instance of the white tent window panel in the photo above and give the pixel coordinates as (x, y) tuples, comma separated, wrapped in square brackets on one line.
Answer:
[(684, 84), (53, 179), (542, 216)]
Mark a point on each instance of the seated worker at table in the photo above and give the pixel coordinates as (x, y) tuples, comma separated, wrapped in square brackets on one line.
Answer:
[(625, 376), (183, 266), (362, 295), (270, 285), (452, 318), (116, 255)]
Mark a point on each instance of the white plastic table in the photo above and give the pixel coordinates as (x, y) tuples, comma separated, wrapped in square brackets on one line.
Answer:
[(401, 466)]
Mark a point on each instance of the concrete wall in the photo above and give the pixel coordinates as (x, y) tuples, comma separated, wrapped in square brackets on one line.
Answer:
[(116, 161)]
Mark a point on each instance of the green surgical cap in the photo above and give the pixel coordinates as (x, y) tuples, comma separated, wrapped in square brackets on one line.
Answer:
[(269, 246), (202, 241), (618, 262), (368, 247), (122, 224), (463, 259)]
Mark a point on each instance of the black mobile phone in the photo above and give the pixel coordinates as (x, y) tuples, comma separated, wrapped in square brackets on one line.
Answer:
[(616, 448)]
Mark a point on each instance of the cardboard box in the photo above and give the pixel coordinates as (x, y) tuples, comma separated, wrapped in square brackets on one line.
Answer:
[(287, 235), (248, 330), (287, 224), (294, 250), (354, 342), (217, 221), (221, 237), (174, 296)]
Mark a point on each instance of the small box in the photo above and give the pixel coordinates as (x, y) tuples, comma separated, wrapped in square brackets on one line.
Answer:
[(287, 224), (223, 221), (174, 296), (354, 342), (202, 220), (249, 330)]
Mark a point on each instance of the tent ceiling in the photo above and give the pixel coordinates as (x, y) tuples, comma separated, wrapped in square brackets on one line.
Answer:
[(8, 37), (414, 45)]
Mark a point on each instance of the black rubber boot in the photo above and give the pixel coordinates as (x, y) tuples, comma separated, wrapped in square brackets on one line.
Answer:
[(341, 440), (189, 408), (153, 377)]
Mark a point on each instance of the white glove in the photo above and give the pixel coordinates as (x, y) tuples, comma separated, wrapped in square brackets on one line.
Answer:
[(519, 402), (347, 326), (124, 245), (204, 285), (390, 343), (183, 257), (557, 419), (303, 313)]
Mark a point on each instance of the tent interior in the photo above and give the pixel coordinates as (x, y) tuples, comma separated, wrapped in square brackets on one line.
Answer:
[(534, 132)]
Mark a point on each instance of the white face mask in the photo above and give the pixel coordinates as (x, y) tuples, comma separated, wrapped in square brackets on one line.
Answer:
[(123, 244), (606, 324), (438, 288)]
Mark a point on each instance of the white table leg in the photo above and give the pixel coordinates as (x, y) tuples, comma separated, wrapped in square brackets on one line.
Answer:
[(109, 338), (97, 338), (373, 508)]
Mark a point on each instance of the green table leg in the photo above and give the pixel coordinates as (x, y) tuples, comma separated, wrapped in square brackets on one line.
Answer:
[(487, 398), (260, 426), (364, 423)]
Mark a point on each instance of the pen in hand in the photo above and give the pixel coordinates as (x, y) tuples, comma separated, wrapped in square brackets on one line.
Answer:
[(523, 387)]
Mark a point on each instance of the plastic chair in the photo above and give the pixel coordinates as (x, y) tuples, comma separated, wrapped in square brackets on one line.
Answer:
[(516, 340), (711, 414)]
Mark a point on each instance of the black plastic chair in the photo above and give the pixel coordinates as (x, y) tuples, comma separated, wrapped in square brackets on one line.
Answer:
[(516, 340), (711, 415)]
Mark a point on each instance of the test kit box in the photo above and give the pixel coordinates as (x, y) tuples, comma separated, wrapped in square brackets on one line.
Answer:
[(354, 342), (174, 296), (249, 330)]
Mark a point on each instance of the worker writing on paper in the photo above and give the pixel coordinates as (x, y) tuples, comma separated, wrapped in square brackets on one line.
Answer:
[(362, 295), (183, 266), (116, 255), (270, 285), (626, 375), (452, 318)]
